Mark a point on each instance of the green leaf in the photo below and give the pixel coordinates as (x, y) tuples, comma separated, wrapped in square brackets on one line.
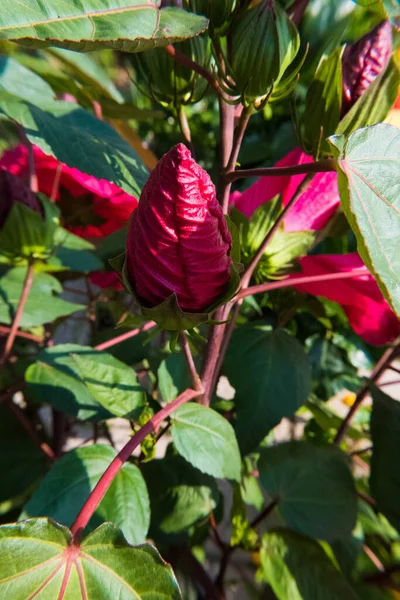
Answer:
[(272, 378), (72, 478), (323, 103), (16, 79), (103, 567), (205, 439), (89, 73), (54, 379), (173, 377), (297, 568), (22, 463), (127, 25), (313, 486), (42, 306), (375, 103), (112, 383), (180, 495), (369, 186), (385, 472), (73, 253), (78, 139)]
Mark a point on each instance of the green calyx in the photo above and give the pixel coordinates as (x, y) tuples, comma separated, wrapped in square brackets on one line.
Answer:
[(168, 315), (264, 44), (28, 236)]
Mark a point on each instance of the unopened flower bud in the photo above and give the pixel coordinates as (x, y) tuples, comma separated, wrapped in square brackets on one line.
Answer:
[(219, 12), (363, 61), (264, 43), (178, 241), (167, 81), (13, 189)]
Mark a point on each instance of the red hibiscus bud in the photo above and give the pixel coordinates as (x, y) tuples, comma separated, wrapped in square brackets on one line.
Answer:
[(13, 189), (178, 240), (363, 61)]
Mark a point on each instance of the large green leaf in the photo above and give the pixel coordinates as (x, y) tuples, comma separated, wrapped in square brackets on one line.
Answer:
[(55, 379), (127, 25), (72, 478), (385, 471), (297, 568), (271, 375), (78, 139), (22, 463), (369, 186), (38, 556), (112, 383), (173, 377), (74, 253), (16, 79), (42, 305), (180, 495), (313, 486), (206, 440)]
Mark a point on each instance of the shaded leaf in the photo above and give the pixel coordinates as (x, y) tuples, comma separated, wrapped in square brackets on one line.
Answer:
[(173, 377), (271, 375), (313, 486), (298, 568), (54, 379), (72, 478), (205, 439), (22, 463), (180, 495), (16, 79), (103, 567), (127, 25), (369, 186), (78, 139), (42, 306), (385, 472)]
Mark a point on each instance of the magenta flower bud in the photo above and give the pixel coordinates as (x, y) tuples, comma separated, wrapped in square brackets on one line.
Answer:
[(363, 61), (13, 189), (178, 240)]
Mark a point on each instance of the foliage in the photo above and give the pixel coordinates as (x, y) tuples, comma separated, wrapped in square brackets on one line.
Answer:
[(204, 377)]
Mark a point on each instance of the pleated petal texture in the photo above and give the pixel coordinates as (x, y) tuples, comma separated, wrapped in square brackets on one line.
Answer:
[(178, 241)]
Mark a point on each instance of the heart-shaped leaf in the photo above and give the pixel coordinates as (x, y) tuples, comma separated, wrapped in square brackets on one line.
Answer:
[(39, 560), (369, 186)]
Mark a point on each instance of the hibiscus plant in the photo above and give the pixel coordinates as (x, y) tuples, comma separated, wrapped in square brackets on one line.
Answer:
[(199, 299)]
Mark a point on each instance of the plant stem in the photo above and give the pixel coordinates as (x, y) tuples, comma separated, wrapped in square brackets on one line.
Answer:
[(320, 166), (264, 514), (185, 61), (196, 381), (125, 336), (21, 334), (215, 338), (254, 262), (290, 281), (381, 366), (31, 431), (115, 466), (33, 180), (237, 142), (185, 129), (19, 312)]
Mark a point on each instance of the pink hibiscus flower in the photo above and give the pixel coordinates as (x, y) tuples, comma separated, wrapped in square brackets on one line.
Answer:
[(368, 312), (313, 209)]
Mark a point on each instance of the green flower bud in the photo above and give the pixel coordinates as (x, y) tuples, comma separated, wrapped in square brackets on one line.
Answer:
[(169, 82), (264, 43), (219, 12)]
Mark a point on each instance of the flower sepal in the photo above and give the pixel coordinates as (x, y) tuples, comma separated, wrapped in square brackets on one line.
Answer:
[(168, 314)]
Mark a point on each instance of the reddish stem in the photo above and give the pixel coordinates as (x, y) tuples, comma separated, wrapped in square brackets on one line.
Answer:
[(21, 334), (381, 366), (290, 281), (115, 466), (125, 336), (320, 166), (31, 431), (19, 312), (196, 381)]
